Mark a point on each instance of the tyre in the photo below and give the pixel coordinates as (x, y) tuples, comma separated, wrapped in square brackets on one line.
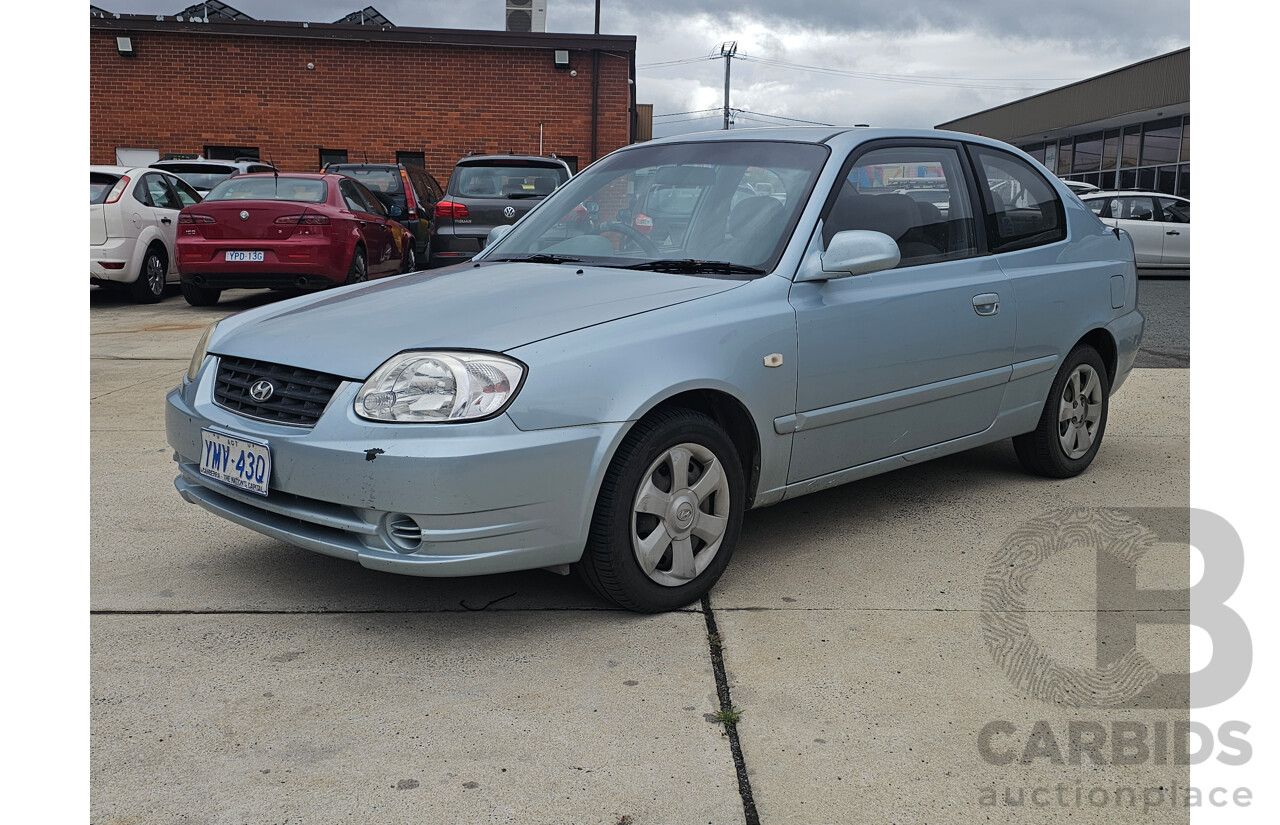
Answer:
[(200, 296), (1070, 430), (668, 515), (358, 272), (149, 288), (410, 258)]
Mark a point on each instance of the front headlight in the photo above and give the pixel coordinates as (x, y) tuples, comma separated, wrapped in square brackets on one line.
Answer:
[(202, 349), (439, 386)]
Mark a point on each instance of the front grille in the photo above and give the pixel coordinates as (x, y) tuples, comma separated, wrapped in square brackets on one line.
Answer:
[(298, 398)]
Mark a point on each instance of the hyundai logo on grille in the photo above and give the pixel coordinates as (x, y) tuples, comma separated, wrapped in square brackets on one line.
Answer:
[(244, 214), (262, 390), (510, 211)]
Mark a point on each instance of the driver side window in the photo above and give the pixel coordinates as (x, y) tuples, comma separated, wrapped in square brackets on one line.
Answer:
[(916, 195)]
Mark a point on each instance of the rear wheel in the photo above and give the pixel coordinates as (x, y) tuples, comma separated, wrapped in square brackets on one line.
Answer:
[(668, 515), (411, 256), (358, 272), (1074, 418), (200, 296), (149, 288)]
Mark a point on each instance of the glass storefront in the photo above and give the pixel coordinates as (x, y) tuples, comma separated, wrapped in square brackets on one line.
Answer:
[(1155, 155)]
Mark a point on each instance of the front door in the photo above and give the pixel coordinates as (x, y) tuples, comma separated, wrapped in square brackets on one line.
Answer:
[(899, 360)]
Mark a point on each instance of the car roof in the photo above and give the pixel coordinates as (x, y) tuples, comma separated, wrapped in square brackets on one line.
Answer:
[(489, 158), (126, 170), (1119, 193), (831, 135)]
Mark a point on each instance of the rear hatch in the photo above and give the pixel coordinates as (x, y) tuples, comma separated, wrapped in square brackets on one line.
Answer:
[(488, 193), (383, 181)]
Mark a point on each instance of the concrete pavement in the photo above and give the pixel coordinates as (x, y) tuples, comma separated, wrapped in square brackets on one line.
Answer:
[(237, 679)]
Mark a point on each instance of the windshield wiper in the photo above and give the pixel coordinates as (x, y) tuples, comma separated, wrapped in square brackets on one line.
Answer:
[(694, 266), (521, 195), (539, 258)]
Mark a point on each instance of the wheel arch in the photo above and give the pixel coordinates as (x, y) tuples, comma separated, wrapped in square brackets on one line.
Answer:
[(731, 414), (1102, 341)]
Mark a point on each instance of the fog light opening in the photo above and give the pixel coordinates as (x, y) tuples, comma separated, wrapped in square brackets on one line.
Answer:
[(403, 533)]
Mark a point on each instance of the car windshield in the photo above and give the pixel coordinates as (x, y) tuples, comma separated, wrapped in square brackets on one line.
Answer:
[(100, 184), (382, 181), (270, 188), (706, 208), (201, 176), (506, 179)]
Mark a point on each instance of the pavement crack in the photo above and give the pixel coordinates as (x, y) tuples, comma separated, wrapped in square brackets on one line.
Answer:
[(729, 712)]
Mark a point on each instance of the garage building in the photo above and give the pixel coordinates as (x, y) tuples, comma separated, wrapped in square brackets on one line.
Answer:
[(1126, 129), (303, 94)]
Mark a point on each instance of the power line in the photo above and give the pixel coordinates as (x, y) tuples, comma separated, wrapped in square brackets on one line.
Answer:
[(781, 117), (694, 112)]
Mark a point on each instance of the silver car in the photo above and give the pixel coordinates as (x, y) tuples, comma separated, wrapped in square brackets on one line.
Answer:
[(608, 390)]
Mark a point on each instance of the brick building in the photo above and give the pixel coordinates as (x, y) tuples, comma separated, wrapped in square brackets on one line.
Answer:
[(300, 93)]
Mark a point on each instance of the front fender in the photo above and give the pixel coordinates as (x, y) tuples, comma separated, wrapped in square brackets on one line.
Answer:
[(621, 370)]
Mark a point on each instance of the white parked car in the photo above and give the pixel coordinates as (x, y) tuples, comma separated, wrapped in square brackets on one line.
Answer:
[(133, 221), (1159, 224), (1080, 187)]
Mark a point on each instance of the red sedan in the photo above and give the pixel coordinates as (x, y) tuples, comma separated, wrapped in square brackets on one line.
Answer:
[(293, 231)]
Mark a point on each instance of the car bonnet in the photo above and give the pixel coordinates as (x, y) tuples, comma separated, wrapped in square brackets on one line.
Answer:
[(493, 307)]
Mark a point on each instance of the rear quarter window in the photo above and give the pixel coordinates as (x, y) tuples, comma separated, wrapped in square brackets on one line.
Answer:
[(100, 184), (1021, 207)]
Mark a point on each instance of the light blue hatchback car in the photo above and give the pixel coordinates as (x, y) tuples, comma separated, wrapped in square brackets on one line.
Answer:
[(690, 328)]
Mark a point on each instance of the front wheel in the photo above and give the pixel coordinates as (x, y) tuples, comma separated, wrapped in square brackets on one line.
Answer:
[(1070, 430), (668, 515)]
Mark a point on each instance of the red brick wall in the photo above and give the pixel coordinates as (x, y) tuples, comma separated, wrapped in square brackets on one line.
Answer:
[(184, 91)]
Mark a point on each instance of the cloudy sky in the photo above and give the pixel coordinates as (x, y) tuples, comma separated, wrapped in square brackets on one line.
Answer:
[(899, 63)]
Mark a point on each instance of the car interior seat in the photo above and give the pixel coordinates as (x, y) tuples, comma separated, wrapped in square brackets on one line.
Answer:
[(753, 229)]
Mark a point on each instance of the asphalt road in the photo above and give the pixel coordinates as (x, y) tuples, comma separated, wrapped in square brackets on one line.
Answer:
[(1166, 341)]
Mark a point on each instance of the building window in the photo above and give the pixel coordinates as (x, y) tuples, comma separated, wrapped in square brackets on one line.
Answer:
[(1167, 180), (231, 152), (1129, 149), (1160, 142), (1110, 149), (1088, 153), (328, 156), (1184, 154), (1184, 182), (1064, 158), (412, 159)]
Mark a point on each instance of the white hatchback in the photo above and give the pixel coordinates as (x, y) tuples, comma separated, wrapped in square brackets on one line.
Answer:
[(1159, 224), (133, 221)]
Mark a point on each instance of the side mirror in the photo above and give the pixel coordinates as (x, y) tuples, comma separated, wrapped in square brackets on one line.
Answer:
[(858, 252), (496, 234), (395, 211)]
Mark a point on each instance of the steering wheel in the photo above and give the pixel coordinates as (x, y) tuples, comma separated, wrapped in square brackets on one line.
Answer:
[(641, 240)]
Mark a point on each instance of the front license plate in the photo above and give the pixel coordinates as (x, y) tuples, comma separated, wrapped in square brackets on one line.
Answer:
[(236, 461), (245, 256)]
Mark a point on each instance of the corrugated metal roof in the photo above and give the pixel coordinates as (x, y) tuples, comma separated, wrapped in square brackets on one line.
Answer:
[(1163, 81)]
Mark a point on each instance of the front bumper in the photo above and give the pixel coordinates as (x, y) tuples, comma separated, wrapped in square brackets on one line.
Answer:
[(428, 500)]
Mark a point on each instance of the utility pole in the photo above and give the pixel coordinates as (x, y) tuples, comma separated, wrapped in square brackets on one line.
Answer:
[(727, 51)]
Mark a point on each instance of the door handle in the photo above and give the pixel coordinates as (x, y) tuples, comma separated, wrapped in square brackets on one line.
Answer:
[(364, 223), (1173, 232), (988, 303), (165, 221)]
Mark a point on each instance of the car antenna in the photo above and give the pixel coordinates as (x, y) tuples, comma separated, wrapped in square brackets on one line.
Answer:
[(366, 159)]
